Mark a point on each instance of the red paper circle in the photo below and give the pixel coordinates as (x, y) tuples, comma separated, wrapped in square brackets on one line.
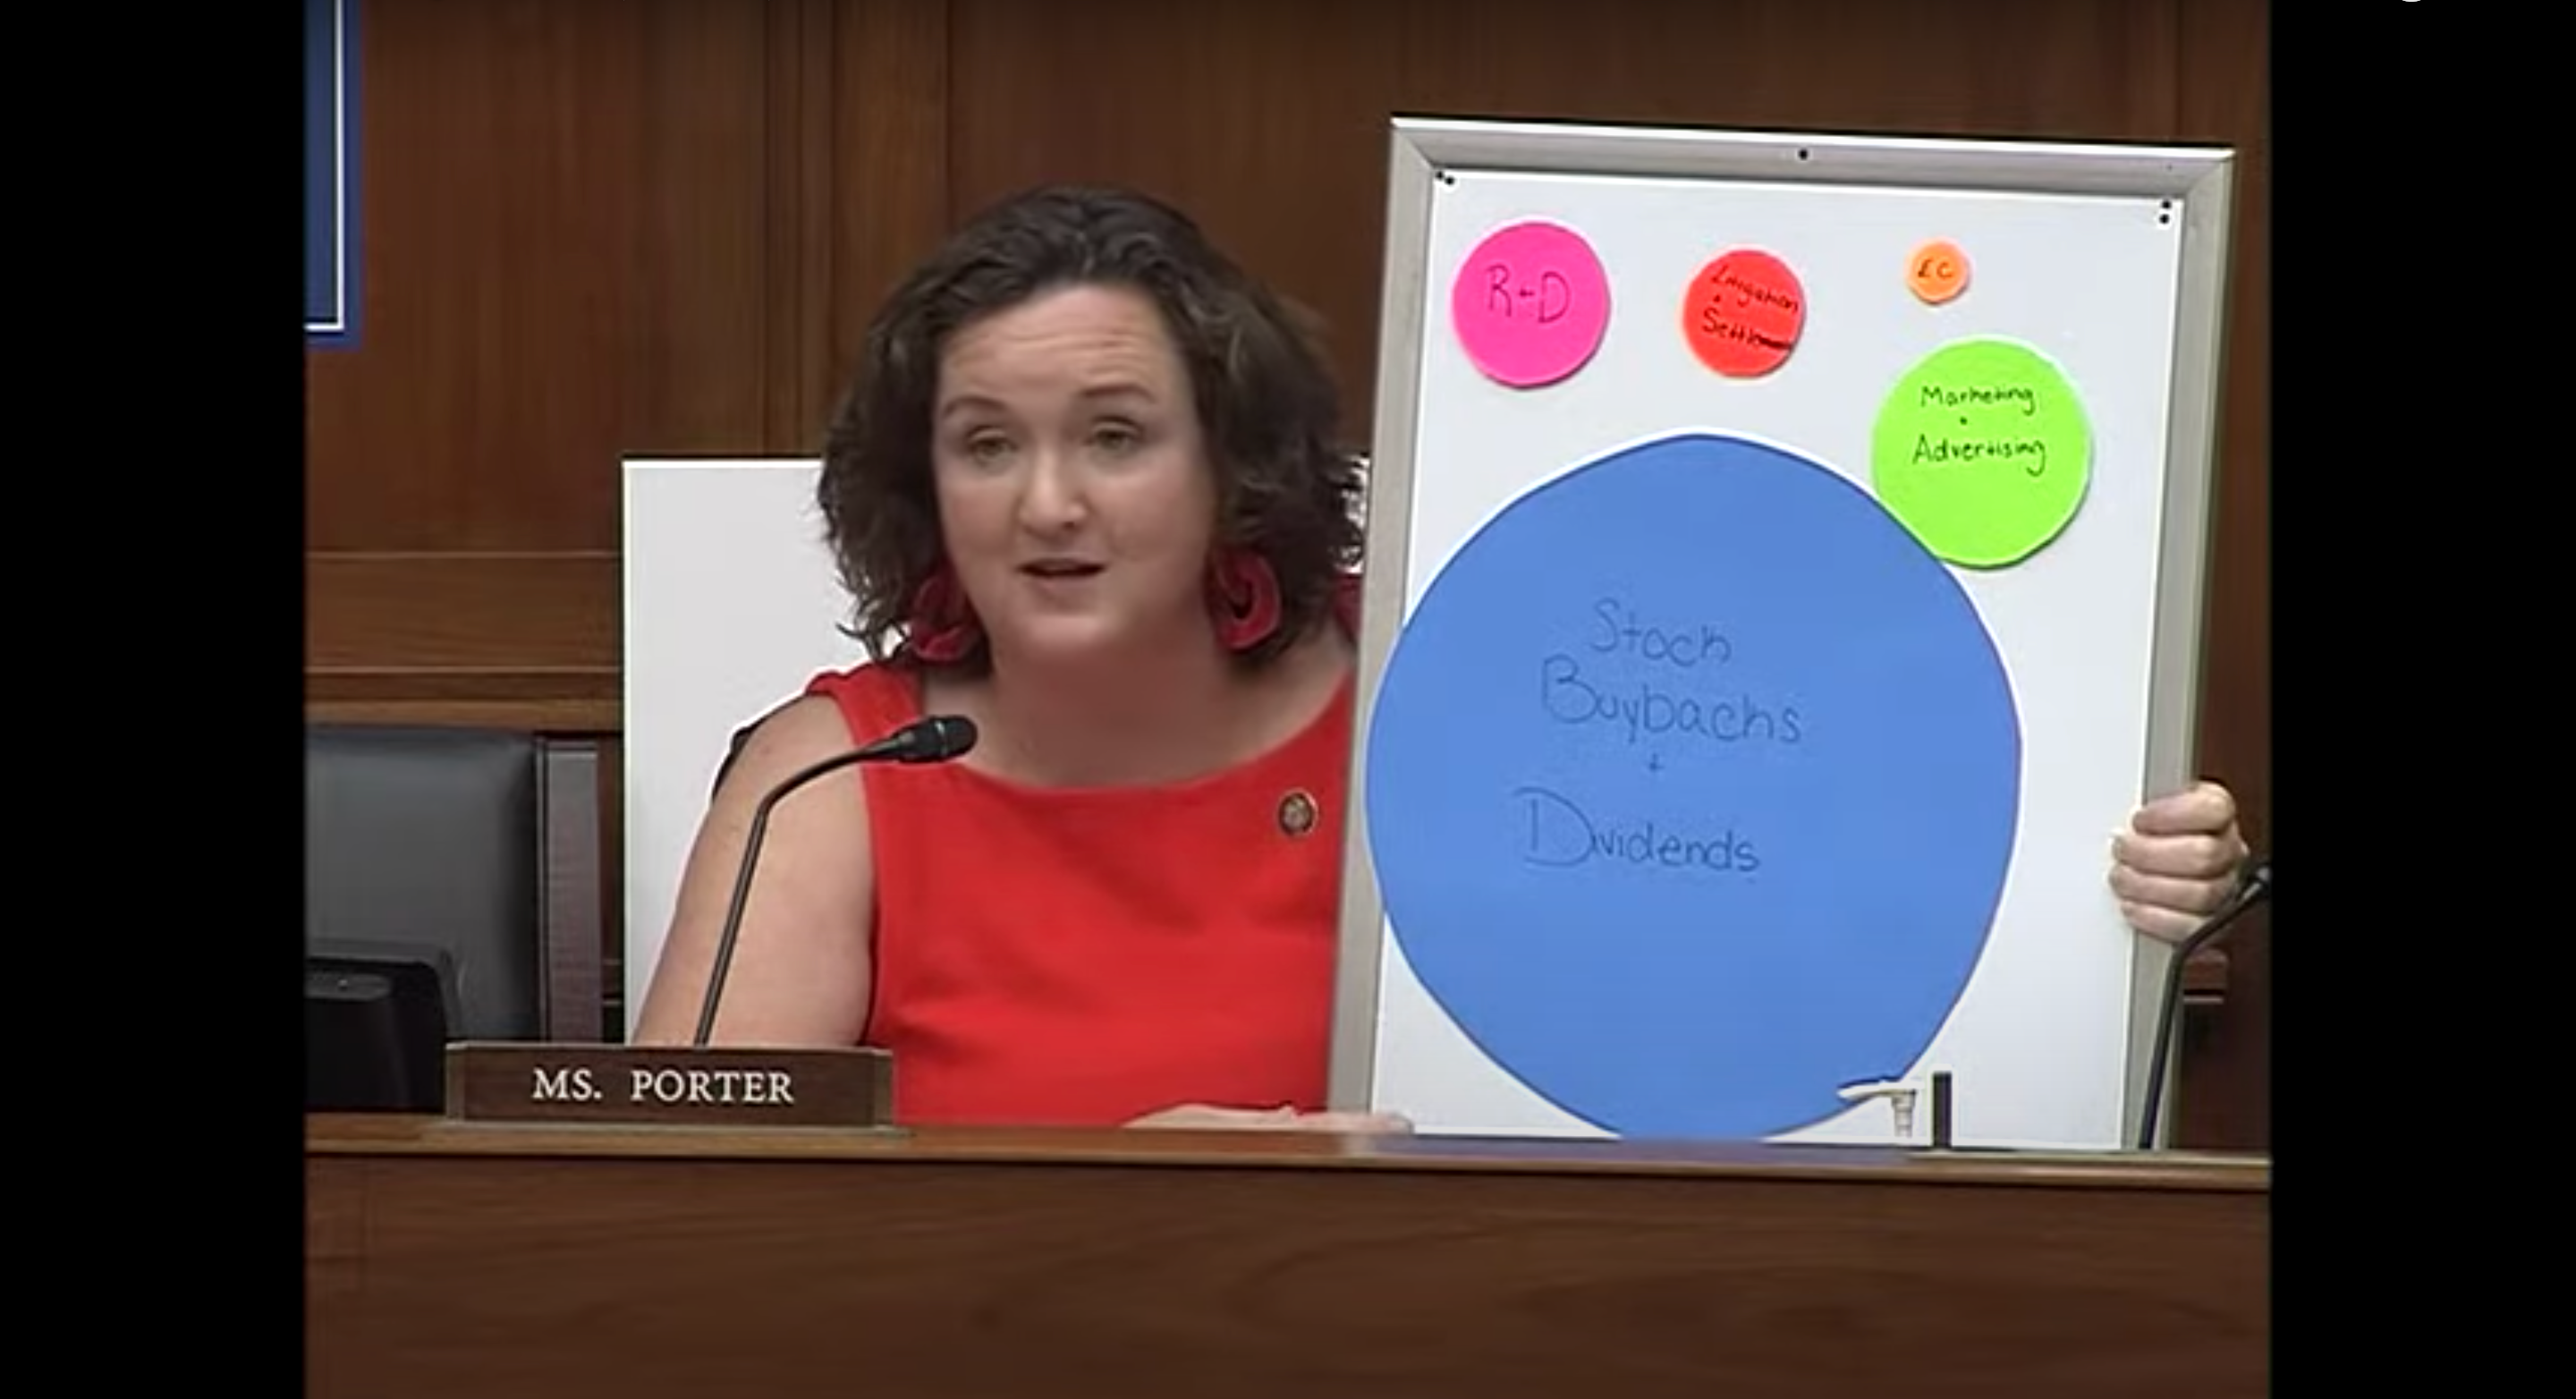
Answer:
[(1744, 313)]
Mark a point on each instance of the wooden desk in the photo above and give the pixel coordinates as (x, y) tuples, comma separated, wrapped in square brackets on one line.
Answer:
[(496, 1262)]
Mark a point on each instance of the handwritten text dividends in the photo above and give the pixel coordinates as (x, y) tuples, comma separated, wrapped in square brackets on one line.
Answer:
[(1678, 693), (1563, 835)]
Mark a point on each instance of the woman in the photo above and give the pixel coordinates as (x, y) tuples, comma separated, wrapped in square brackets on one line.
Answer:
[(1088, 476)]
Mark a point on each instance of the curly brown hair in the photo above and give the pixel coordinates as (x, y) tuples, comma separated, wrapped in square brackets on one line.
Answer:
[(1266, 399)]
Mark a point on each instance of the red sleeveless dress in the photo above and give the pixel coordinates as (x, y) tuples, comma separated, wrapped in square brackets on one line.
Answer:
[(1085, 957)]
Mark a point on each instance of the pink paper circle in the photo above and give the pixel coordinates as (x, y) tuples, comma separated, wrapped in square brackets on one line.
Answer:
[(1530, 304)]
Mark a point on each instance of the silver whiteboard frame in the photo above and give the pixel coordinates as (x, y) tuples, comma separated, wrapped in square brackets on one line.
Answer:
[(2198, 179)]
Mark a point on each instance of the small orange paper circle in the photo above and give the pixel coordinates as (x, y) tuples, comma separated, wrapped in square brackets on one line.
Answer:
[(1938, 272), (1744, 313)]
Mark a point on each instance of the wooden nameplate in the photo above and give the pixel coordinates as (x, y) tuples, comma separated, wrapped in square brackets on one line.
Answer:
[(741, 1089)]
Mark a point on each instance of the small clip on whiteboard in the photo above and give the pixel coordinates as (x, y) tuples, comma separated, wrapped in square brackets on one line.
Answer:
[(1900, 1096)]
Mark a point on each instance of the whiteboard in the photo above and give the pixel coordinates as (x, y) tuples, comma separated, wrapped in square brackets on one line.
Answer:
[(1785, 575), (732, 605)]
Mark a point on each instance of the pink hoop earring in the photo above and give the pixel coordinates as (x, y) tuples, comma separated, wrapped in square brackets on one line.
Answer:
[(942, 626), (1243, 598)]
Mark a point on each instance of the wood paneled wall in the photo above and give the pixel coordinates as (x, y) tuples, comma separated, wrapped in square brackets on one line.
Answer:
[(599, 228)]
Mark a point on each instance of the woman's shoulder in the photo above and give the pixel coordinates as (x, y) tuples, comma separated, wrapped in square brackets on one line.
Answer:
[(836, 709), (873, 694)]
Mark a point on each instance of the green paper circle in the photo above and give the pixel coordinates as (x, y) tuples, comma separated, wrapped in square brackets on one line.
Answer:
[(1983, 451)]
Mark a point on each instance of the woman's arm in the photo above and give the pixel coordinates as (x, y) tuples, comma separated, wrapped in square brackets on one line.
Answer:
[(801, 973)]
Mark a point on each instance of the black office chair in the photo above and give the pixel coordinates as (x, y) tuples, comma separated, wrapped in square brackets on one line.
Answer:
[(480, 843)]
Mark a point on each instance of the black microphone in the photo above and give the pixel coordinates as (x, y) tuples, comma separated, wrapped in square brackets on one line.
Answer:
[(934, 739), (2253, 888)]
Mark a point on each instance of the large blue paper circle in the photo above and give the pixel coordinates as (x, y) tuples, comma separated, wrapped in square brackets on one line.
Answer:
[(1691, 790)]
